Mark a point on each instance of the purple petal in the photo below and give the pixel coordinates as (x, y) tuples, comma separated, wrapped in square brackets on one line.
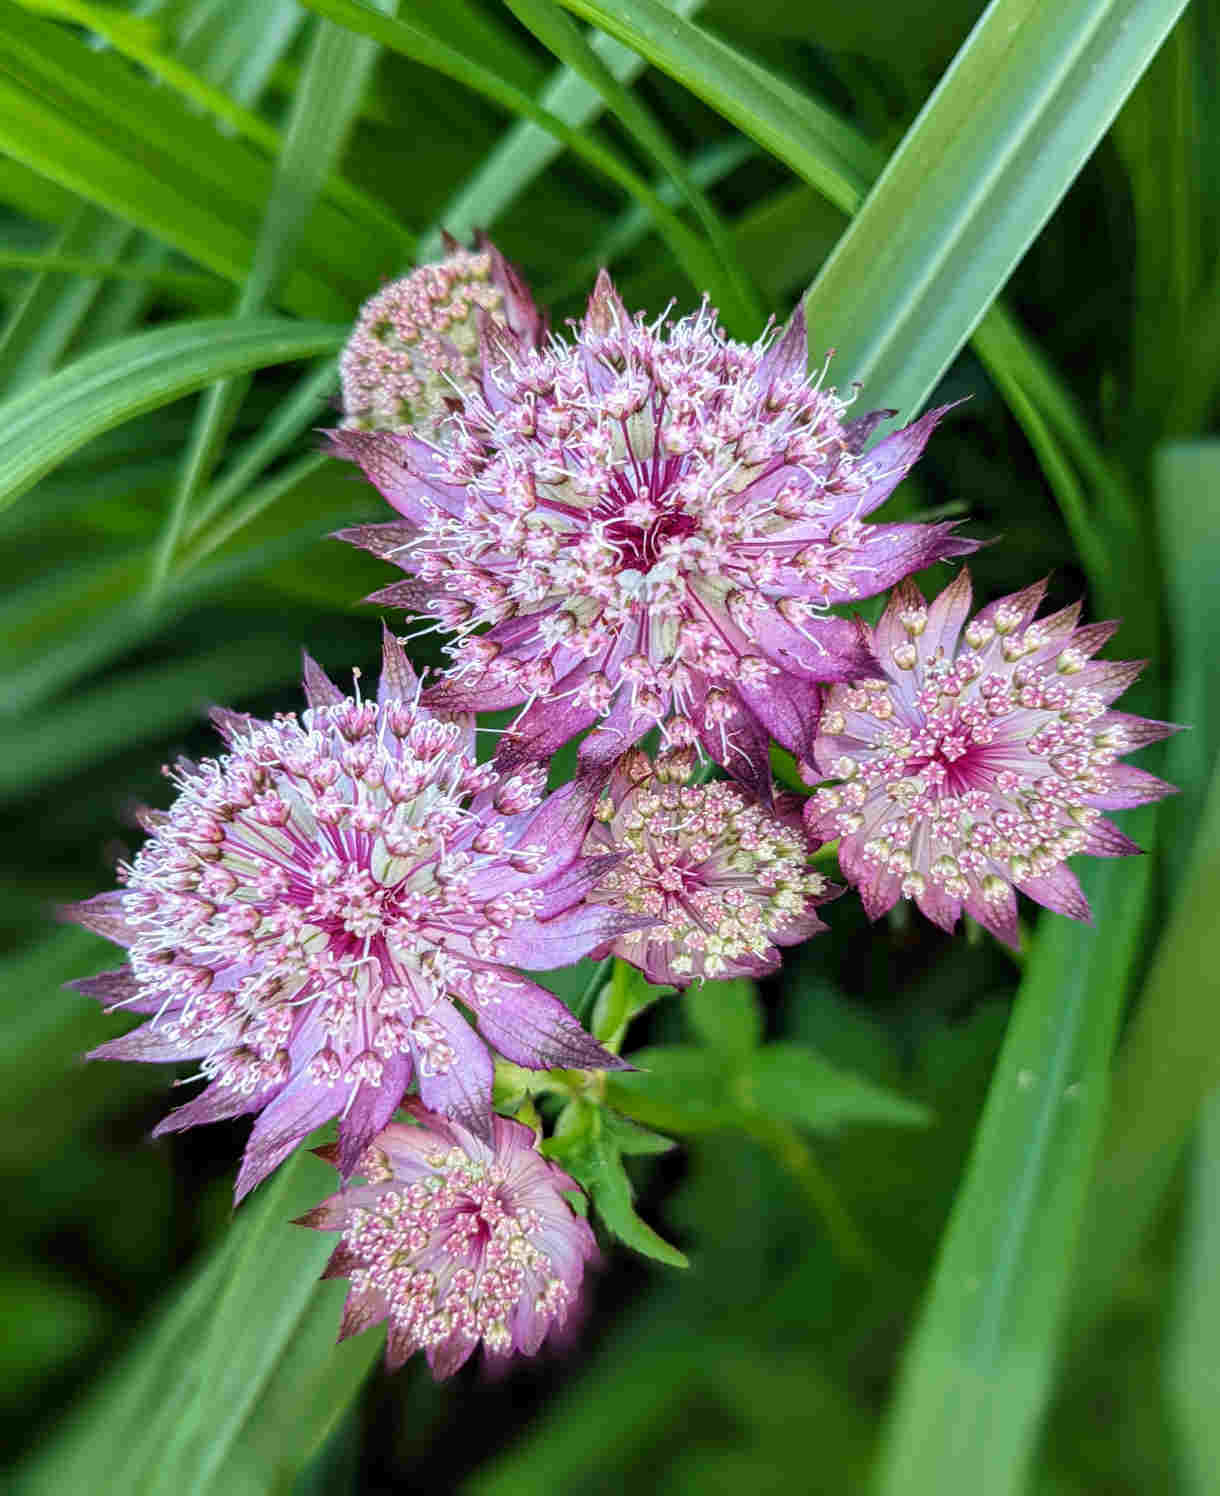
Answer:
[(103, 914), (383, 541), (878, 888), (788, 356), (370, 1111), (788, 708), (1106, 840), (543, 945), (887, 553), (531, 1027), (1130, 786), (856, 433), (118, 988), (232, 726), (574, 882), (361, 1311), (412, 597), (941, 908), (605, 312), (398, 681), (1141, 731), (1088, 640), (300, 1107), (1109, 678), (320, 690), (396, 465), (947, 616), (462, 1092), (544, 728), (216, 1104), (998, 915), (151, 1045), (840, 651), (450, 1355), (1059, 890), (892, 459), (1026, 603)]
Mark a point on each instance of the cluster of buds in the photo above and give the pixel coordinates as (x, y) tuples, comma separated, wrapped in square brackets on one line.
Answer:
[(642, 527), (722, 878)]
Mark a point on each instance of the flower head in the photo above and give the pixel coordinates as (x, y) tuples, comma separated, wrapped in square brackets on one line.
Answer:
[(726, 878), (415, 346), (307, 914), (648, 523), (981, 761), (456, 1239)]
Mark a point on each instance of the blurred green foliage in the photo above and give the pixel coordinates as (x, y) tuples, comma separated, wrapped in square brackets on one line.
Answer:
[(849, 1158)]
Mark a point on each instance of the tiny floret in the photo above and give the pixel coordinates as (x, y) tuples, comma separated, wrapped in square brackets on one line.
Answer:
[(456, 1240), (726, 878), (415, 346), (647, 525), (305, 918), (982, 760)]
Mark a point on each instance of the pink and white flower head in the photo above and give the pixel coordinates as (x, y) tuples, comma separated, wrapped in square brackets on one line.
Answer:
[(415, 346), (316, 902), (647, 524), (456, 1239), (981, 761), (725, 878)]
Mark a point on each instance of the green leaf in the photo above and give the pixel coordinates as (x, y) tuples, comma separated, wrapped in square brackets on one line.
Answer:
[(719, 273), (524, 152), (1192, 1377), (977, 175), (818, 146), (725, 1016), (626, 994), (791, 1081), (679, 1089), (426, 49), (190, 1395), (324, 107), (589, 1143), (977, 1373), (44, 424)]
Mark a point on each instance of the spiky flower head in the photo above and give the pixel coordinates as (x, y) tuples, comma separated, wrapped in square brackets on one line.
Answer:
[(648, 524), (456, 1239), (415, 346), (305, 918), (981, 761), (725, 878)]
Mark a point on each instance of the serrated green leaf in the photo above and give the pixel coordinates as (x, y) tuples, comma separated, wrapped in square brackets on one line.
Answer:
[(725, 1016), (43, 425), (591, 1151)]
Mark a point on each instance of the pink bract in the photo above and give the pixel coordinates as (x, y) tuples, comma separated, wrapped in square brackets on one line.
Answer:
[(981, 760), (642, 526), (308, 913), (456, 1240)]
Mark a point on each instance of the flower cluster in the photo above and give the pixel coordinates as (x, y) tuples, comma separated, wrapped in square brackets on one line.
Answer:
[(646, 526), (456, 1239), (415, 346), (980, 760), (725, 878), (642, 528), (305, 918)]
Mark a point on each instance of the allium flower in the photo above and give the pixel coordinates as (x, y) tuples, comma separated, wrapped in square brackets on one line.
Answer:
[(652, 520), (416, 342), (982, 760), (725, 878), (456, 1239), (306, 915)]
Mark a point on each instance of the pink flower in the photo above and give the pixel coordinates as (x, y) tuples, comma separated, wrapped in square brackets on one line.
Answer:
[(981, 761), (307, 914), (648, 524), (724, 878), (416, 342), (456, 1239)]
